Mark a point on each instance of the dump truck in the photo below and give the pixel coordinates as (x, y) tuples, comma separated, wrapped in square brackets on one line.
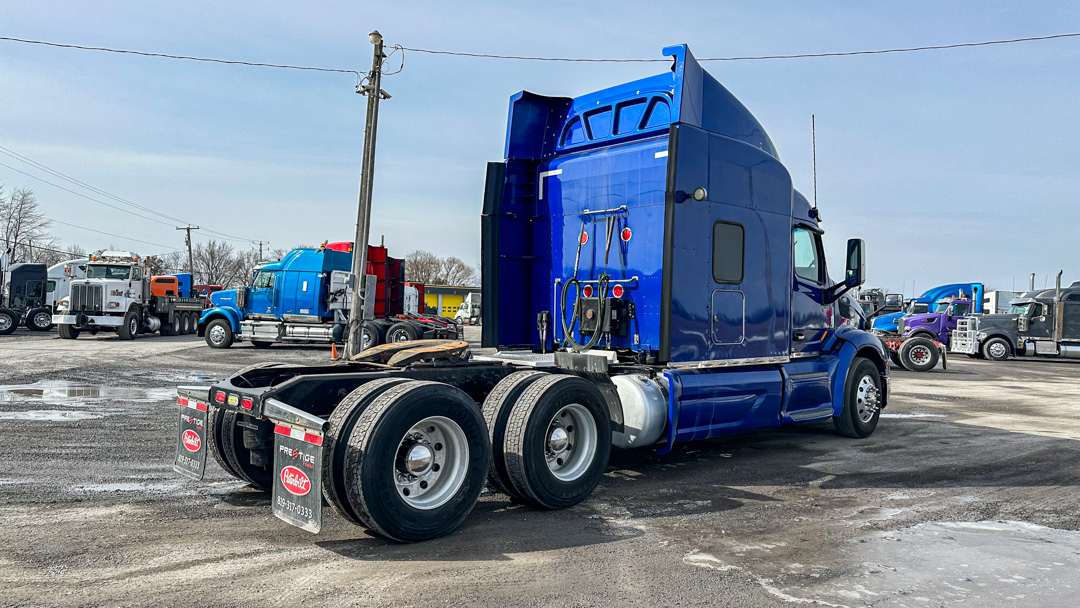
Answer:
[(116, 296), (304, 297), (650, 277)]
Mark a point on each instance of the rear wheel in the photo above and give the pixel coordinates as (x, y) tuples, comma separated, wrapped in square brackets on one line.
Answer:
[(371, 334), (335, 441), (8, 321), (403, 331), (219, 334), (239, 450), (416, 461), (996, 349), (497, 408), (215, 418), (919, 354), (171, 328), (193, 322), (557, 441), (39, 319), (67, 332), (130, 326), (185, 324), (862, 400)]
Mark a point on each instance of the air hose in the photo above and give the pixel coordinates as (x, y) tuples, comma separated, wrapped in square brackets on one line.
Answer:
[(602, 287)]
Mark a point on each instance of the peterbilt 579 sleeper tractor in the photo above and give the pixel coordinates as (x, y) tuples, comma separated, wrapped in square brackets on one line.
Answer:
[(650, 277)]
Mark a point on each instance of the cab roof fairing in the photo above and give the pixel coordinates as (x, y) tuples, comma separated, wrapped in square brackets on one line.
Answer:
[(537, 123)]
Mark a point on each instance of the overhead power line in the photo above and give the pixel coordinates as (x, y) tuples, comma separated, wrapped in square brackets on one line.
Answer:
[(96, 190), (118, 236), (183, 57), (751, 57)]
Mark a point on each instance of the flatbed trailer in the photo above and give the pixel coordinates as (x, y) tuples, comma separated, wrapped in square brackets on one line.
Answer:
[(650, 277)]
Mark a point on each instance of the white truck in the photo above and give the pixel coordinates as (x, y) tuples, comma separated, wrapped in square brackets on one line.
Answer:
[(58, 283), (469, 311), (116, 296)]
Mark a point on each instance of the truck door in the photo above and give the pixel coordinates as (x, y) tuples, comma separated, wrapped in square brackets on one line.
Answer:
[(1041, 321), (810, 319), (261, 297)]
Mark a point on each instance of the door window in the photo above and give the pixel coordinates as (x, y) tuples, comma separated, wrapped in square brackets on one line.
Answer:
[(960, 309), (264, 280), (806, 254)]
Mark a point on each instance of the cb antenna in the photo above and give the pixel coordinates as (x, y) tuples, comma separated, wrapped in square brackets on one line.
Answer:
[(813, 139)]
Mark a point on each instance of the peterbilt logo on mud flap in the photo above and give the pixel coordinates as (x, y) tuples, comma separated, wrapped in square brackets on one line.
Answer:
[(296, 482), (191, 441)]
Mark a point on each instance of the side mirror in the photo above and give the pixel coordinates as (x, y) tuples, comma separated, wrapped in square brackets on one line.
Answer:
[(855, 273)]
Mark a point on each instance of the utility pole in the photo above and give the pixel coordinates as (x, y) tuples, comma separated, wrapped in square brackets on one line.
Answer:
[(367, 173), (187, 240), (260, 244)]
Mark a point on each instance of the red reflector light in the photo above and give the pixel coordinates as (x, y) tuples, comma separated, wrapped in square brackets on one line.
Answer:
[(219, 397), (584, 238), (181, 401), (617, 291), (627, 233), (246, 403), (587, 291)]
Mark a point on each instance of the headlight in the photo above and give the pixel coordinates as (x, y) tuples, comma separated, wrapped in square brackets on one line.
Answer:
[(113, 305), (981, 335)]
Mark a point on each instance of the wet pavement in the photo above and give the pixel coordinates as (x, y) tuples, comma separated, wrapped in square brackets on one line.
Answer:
[(968, 494)]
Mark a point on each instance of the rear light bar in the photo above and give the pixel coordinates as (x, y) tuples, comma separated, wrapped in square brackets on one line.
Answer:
[(219, 397), (246, 403)]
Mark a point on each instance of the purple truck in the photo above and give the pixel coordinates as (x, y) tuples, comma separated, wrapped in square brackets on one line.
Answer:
[(938, 324)]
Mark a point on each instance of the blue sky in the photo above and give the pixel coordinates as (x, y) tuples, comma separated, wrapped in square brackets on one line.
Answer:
[(953, 165)]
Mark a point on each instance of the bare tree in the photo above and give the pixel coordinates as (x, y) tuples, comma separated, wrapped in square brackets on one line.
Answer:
[(215, 263), (422, 267), (24, 229), (456, 272)]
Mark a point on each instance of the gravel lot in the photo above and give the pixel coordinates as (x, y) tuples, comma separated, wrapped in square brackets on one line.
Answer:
[(967, 493)]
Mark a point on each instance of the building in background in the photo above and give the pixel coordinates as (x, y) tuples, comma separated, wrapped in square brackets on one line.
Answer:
[(444, 300)]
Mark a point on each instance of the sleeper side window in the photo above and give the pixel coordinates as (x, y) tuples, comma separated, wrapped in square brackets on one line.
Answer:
[(728, 248), (805, 253)]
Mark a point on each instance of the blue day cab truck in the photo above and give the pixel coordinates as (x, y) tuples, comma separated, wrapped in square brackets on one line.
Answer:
[(304, 298), (649, 276)]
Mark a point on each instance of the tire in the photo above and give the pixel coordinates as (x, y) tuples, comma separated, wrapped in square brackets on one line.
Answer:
[(67, 332), (130, 327), (184, 322), (8, 321), (171, 328), (448, 426), (919, 354), (862, 400), (576, 406), (39, 319), (403, 331), (996, 349), (895, 358), (335, 441), (215, 418), (219, 334), (372, 334), (496, 409), (193, 322), (238, 454)]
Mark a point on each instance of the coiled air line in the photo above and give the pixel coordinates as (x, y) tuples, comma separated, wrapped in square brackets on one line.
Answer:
[(602, 287)]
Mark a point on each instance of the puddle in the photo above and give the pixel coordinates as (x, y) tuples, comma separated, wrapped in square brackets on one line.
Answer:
[(51, 415), (991, 564), (60, 392)]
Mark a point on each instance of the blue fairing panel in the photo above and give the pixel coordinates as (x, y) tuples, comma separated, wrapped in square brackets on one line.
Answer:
[(231, 314), (705, 403)]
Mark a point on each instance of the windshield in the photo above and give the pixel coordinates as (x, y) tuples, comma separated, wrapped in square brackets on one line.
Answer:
[(1019, 309), (101, 271)]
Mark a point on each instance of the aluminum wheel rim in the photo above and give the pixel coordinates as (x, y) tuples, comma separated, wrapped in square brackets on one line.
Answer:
[(217, 334), (5, 322), (365, 339), (570, 442), (133, 327), (920, 354), (867, 398), (997, 350), (432, 486), (399, 335), (43, 319)]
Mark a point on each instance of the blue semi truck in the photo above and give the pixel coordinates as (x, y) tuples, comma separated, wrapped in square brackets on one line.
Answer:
[(650, 277), (927, 302), (303, 298)]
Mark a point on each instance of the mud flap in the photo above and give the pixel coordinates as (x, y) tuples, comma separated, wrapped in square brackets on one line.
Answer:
[(297, 494), (191, 439)]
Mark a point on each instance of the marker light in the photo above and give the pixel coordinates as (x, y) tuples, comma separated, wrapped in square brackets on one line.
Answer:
[(626, 234), (617, 291), (584, 238), (246, 403), (219, 397), (587, 291)]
